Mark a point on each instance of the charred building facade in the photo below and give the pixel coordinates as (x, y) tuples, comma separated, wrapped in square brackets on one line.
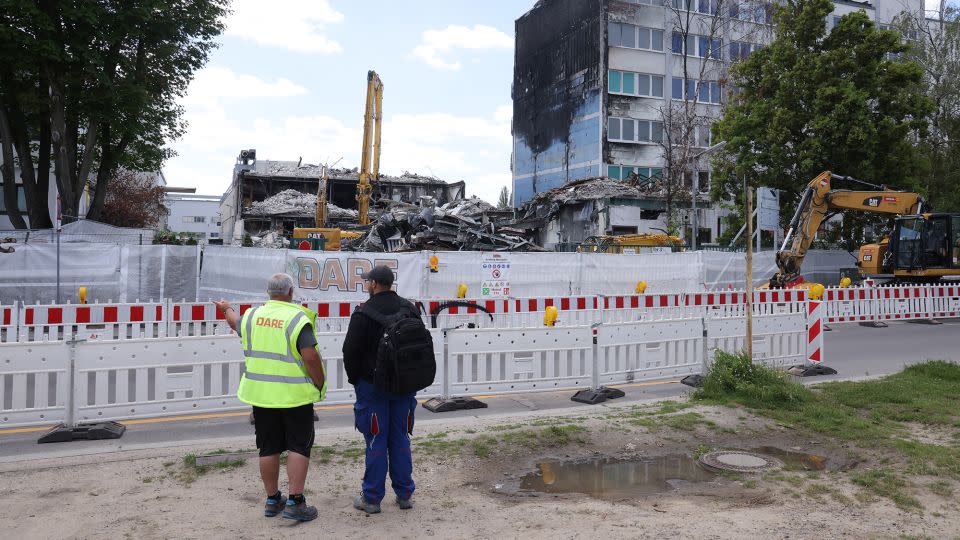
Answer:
[(597, 84)]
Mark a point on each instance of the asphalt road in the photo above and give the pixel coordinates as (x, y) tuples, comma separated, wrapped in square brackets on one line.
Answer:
[(854, 351)]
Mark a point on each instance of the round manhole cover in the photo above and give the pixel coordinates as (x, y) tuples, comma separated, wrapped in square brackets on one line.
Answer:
[(736, 461)]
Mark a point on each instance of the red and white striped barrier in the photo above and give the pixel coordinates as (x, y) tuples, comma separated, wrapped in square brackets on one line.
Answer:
[(850, 305), (562, 303), (815, 312), (903, 303), (203, 319), (92, 321), (642, 301), (945, 301), (9, 315)]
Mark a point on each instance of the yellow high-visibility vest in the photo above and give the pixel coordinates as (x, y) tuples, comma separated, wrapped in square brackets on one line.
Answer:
[(275, 376)]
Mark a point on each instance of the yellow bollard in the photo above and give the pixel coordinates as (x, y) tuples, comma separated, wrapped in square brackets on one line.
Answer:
[(641, 287), (434, 264), (816, 291), (83, 295), (462, 290), (550, 316), (845, 282)]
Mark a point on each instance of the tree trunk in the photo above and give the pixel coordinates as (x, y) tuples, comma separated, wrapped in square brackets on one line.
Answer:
[(11, 202)]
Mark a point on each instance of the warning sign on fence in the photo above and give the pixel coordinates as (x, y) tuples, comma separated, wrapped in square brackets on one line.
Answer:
[(495, 274)]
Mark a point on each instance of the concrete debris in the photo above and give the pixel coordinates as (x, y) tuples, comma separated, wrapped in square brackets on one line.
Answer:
[(272, 239), (547, 203), (8, 249), (292, 203), (456, 226)]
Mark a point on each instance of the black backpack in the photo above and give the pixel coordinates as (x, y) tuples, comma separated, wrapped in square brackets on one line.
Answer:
[(405, 361)]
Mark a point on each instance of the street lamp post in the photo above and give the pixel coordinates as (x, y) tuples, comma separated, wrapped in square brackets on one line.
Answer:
[(695, 221)]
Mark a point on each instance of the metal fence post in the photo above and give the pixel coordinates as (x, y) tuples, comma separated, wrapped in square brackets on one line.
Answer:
[(696, 380), (446, 402), (596, 393)]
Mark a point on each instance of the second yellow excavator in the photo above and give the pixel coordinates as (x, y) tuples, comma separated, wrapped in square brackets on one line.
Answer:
[(921, 246)]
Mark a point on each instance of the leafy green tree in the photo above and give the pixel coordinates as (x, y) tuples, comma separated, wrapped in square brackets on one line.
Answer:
[(936, 48), (90, 86), (844, 101)]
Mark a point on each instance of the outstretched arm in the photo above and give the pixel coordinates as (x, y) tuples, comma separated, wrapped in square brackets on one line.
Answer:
[(231, 314)]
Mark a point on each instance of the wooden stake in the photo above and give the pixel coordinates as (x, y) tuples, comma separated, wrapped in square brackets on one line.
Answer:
[(749, 284)]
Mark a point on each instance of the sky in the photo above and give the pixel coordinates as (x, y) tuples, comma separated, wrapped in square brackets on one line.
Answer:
[(289, 79)]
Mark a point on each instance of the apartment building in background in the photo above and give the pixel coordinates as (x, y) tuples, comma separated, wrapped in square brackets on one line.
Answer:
[(598, 85), (192, 213)]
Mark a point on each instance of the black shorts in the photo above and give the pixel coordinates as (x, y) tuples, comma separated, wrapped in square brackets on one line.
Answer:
[(284, 429)]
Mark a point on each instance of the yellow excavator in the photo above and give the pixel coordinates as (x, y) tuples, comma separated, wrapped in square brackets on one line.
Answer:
[(369, 173), (630, 243), (921, 246)]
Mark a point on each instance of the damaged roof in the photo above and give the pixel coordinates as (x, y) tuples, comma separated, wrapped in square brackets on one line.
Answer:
[(545, 204), (294, 169)]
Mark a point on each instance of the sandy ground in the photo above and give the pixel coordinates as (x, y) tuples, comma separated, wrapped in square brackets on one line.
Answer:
[(152, 494)]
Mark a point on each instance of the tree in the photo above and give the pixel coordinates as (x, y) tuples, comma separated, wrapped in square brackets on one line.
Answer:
[(134, 200), (698, 31), (90, 86), (504, 202), (935, 46), (814, 101)]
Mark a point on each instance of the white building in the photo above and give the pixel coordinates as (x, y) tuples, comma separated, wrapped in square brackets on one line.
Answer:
[(593, 82), (191, 213)]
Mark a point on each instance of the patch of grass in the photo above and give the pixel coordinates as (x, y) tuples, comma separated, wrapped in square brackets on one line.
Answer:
[(701, 450), (190, 471), (887, 483), (941, 488), (440, 447), (817, 490), (749, 484), (669, 407), (734, 379), (687, 421), (482, 446), (438, 435)]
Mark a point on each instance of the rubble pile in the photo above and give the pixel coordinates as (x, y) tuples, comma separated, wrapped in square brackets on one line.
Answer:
[(457, 226), (292, 203), (546, 204), (293, 169)]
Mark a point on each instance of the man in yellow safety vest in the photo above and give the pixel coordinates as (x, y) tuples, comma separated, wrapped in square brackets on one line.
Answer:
[(284, 377)]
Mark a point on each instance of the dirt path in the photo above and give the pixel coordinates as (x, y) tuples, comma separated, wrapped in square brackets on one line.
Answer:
[(464, 479)]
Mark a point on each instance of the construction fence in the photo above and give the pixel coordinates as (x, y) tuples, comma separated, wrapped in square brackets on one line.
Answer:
[(130, 272), (83, 381)]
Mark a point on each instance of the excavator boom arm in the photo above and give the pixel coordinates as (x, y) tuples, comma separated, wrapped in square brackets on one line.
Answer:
[(817, 201), (370, 155)]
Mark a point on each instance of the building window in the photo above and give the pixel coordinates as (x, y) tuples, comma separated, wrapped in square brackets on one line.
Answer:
[(701, 6), (623, 172), (703, 181), (214, 235), (739, 50), (635, 84), (21, 201), (752, 11), (630, 130), (694, 45), (635, 37), (194, 219), (702, 92)]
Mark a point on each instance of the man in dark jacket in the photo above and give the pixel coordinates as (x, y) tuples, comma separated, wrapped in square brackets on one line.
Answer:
[(385, 419)]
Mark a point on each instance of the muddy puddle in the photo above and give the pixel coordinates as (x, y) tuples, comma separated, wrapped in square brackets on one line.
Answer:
[(613, 477), (794, 460)]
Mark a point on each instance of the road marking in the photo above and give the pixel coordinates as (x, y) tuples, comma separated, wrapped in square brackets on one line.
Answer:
[(187, 418)]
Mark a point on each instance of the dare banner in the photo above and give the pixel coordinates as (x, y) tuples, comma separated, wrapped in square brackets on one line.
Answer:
[(326, 275)]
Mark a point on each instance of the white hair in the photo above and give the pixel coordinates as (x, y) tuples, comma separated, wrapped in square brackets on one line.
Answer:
[(279, 284)]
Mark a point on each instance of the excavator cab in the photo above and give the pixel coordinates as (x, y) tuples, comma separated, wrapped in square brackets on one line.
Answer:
[(920, 246)]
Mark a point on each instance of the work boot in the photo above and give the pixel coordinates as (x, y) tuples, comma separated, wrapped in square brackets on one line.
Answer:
[(274, 506), (404, 504), (361, 503), (299, 512)]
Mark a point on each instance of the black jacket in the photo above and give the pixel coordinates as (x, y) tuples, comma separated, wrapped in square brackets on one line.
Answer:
[(363, 335)]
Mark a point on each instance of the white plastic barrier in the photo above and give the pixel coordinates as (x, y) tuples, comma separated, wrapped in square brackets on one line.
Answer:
[(33, 383), (157, 377), (518, 360), (92, 321), (9, 316), (778, 340), (628, 352)]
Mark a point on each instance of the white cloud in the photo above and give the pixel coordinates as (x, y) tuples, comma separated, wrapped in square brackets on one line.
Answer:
[(297, 25), (436, 43), (471, 148), (213, 83)]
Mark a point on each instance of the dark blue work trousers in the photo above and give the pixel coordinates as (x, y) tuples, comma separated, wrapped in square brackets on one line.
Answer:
[(386, 421)]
